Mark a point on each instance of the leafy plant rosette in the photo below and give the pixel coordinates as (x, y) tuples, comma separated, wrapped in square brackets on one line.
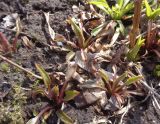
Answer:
[(56, 94), (151, 14), (116, 12), (5, 45), (119, 86)]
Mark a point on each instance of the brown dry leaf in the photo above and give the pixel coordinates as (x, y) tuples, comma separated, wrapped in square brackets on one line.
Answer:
[(101, 95), (51, 31), (86, 61), (117, 56), (85, 99), (156, 52), (92, 23), (113, 104), (75, 9), (70, 56), (59, 38), (18, 27), (89, 97), (72, 67), (91, 84), (107, 29), (27, 42), (80, 101), (77, 77)]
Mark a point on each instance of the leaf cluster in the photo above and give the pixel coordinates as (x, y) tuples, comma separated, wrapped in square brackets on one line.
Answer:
[(118, 86), (116, 12), (55, 94)]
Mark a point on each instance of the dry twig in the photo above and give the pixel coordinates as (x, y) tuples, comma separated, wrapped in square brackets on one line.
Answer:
[(20, 67)]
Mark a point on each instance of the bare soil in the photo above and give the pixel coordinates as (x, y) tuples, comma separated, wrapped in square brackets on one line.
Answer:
[(33, 22)]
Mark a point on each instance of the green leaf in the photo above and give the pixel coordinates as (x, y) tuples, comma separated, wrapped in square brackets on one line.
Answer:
[(132, 54), (155, 14), (55, 90), (148, 9), (40, 91), (103, 5), (115, 36), (127, 8), (121, 27), (120, 3), (96, 30), (131, 80), (70, 94), (78, 32), (103, 74), (156, 71), (64, 117), (70, 56), (45, 76), (117, 11), (125, 3), (120, 78)]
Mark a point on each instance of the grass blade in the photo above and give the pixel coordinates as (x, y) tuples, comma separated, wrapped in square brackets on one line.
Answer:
[(155, 13), (64, 117), (103, 74), (125, 3), (120, 78), (78, 32), (131, 80), (51, 31), (120, 3), (45, 76), (96, 30), (70, 94), (103, 5), (148, 8), (132, 54), (127, 8)]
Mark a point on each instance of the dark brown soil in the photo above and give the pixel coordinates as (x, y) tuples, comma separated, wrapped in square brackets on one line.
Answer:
[(33, 22)]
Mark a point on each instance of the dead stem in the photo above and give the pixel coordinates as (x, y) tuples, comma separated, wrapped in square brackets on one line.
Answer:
[(12, 30), (136, 21), (18, 66), (150, 89)]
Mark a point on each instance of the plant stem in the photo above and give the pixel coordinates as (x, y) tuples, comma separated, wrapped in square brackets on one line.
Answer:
[(20, 67), (150, 22), (47, 108), (136, 21), (62, 92), (14, 45), (4, 42)]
